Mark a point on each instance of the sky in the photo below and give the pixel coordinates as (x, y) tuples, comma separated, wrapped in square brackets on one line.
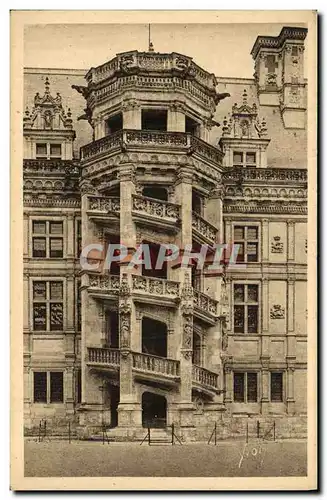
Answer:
[(223, 49)]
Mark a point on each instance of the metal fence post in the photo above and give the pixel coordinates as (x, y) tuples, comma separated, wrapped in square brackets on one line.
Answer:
[(149, 437), (215, 433), (172, 434), (258, 429), (274, 430), (69, 433), (247, 431)]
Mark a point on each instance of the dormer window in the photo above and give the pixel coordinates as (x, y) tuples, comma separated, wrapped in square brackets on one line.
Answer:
[(244, 159), (48, 151)]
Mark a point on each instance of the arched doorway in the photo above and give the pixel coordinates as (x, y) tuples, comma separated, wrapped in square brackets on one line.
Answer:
[(154, 410), (154, 337)]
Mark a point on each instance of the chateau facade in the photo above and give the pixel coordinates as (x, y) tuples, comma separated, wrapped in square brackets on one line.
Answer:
[(149, 148)]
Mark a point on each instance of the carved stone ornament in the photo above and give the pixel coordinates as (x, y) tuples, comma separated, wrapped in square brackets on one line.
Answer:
[(124, 289), (187, 354), (277, 312), (125, 328), (187, 331), (277, 246)]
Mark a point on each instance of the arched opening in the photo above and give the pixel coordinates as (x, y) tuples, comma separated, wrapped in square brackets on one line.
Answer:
[(196, 355), (150, 269), (154, 410), (154, 337), (196, 202), (158, 192), (112, 329)]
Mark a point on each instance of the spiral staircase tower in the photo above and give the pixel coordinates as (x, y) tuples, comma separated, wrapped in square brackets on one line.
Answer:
[(151, 338)]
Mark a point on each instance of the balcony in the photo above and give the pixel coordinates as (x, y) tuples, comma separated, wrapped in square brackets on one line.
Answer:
[(205, 307), (204, 379), (109, 359), (151, 140), (146, 366), (203, 230), (104, 285), (98, 205), (149, 211), (155, 290)]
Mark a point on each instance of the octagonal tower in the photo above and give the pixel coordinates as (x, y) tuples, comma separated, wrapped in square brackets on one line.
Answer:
[(151, 338)]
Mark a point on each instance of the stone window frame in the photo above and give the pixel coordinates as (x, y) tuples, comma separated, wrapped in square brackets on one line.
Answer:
[(47, 301), (47, 219), (258, 303), (245, 372), (245, 241), (244, 163), (48, 386), (48, 155)]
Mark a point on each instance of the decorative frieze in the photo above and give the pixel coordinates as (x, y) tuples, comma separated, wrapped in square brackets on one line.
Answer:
[(266, 174), (277, 312), (111, 283), (269, 208)]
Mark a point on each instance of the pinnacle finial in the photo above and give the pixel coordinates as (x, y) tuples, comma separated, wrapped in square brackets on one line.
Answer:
[(245, 97), (47, 86)]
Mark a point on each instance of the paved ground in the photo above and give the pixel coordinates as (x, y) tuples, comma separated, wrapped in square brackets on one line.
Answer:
[(56, 458)]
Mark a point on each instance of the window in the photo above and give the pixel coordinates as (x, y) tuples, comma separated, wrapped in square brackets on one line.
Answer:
[(78, 393), (154, 119), (48, 306), (47, 239), (246, 306), (78, 306), (244, 159), (48, 151), (48, 387), (40, 387), (246, 237), (114, 123), (158, 192), (78, 238), (191, 126), (245, 387), (276, 386)]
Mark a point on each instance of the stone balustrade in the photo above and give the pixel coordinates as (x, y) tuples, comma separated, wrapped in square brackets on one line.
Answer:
[(204, 228), (103, 356), (103, 204), (155, 286), (125, 139), (133, 62), (155, 364), (156, 208), (206, 303), (204, 377), (106, 282)]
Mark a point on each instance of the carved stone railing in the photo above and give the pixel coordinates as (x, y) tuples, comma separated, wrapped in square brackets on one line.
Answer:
[(103, 356), (155, 286), (125, 139), (203, 227), (155, 364), (265, 174), (156, 138), (109, 282), (204, 377), (156, 208), (205, 303), (206, 150), (103, 145), (133, 62), (103, 204)]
